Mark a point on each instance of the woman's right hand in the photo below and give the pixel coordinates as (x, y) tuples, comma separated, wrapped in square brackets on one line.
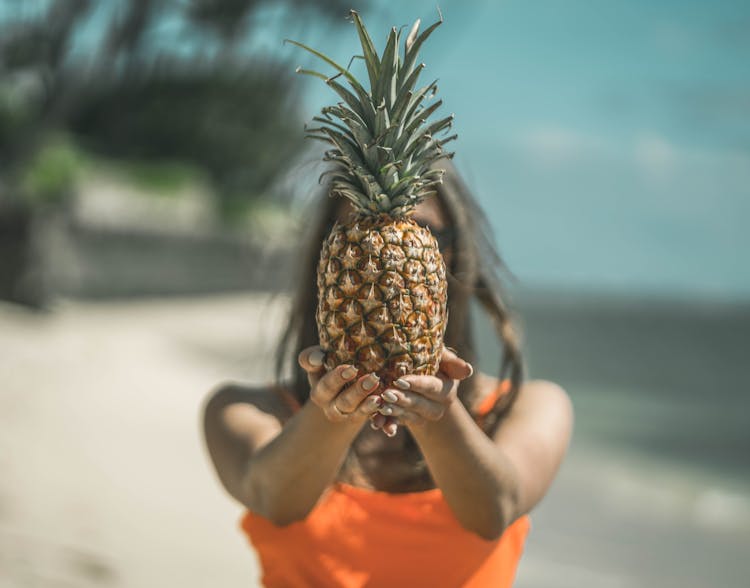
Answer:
[(339, 393)]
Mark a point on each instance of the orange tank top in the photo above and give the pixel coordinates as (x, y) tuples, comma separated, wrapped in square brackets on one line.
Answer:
[(356, 537)]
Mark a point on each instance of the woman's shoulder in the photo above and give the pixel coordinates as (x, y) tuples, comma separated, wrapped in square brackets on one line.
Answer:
[(488, 384), (531, 395), (539, 394), (543, 411)]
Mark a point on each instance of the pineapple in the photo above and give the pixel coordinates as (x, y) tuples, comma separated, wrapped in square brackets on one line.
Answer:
[(382, 288)]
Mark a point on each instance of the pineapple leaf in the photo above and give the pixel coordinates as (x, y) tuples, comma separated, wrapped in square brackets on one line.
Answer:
[(342, 113), (350, 99), (342, 128), (382, 120), (426, 112), (417, 99), (415, 120), (387, 69), (368, 48), (360, 133), (343, 71), (344, 146), (440, 125), (412, 35), (352, 195), (411, 52), (406, 91), (310, 72), (382, 143), (453, 137)]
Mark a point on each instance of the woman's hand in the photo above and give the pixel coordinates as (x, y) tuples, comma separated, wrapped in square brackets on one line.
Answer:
[(339, 393), (416, 399)]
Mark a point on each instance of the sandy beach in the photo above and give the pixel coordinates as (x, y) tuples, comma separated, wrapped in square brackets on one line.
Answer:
[(105, 480)]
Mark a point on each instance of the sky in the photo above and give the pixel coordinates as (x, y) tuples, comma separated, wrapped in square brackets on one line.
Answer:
[(608, 141)]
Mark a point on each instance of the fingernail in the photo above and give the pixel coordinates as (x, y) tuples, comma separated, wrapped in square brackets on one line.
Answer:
[(316, 358), (390, 396), (471, 369), (403, 384), (373, 426), (391, 432), (370, 382), (349, 372), (386, 410), (375, 401)]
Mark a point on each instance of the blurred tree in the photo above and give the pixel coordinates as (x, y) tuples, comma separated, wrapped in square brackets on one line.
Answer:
[(234, 114), (199, 95), (239, 124)]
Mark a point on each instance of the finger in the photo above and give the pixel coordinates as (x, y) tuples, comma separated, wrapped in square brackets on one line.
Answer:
[(311, 360), (350, 398), (378, 420), (437, 388), (453, 366), (390, 427), (331, 383), (370, 406), (408, 403), (404, 416)]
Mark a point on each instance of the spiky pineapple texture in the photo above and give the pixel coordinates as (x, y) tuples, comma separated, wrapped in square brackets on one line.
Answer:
[(382, 297), (382, 145)]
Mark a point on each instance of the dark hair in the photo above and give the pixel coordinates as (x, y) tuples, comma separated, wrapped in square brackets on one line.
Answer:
[(474, 272)]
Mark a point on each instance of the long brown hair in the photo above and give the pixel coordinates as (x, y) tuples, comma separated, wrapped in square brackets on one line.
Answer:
[(474, 272)]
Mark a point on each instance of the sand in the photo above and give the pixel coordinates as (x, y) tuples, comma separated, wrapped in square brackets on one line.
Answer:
[(106, 482)]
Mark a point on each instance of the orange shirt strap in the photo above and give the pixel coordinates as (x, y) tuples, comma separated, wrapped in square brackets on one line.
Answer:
[(488, 402)]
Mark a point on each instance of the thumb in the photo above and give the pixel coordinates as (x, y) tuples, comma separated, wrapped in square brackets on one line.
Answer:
[(311, 360), (453, 366)]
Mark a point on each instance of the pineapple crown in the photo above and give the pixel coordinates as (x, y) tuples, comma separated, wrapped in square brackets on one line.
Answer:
[(382, 145)]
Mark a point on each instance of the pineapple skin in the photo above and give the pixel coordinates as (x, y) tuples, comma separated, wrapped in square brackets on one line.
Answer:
[(382, 297)]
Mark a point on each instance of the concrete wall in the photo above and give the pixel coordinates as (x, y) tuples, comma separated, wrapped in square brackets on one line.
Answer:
[(105, 263), (46, 255)]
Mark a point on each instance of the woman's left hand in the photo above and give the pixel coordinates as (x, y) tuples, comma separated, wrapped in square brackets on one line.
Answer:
[(413, 399)]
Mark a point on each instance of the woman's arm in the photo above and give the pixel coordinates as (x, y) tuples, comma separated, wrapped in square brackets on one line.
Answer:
[(281, 472), (488, 483)]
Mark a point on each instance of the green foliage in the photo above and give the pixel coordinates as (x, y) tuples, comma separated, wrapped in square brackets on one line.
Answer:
[(164, 178), (50, 177)]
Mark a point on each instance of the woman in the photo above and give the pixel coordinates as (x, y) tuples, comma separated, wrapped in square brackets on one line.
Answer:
[(442, 498)]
